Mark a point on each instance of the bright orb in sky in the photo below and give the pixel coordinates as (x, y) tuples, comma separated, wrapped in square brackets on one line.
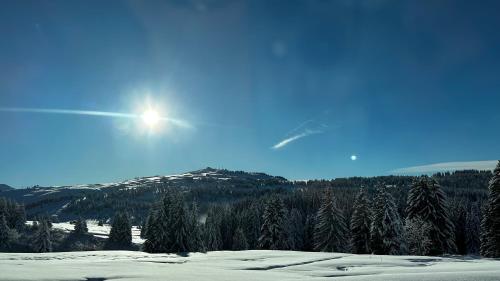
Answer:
[(354, 157), (151, 118)]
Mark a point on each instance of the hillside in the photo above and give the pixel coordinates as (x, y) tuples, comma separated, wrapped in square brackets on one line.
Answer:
[(4, 187), (102, 199), (206, 186)]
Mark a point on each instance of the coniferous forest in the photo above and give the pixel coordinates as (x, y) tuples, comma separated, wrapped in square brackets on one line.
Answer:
[(447, 213)]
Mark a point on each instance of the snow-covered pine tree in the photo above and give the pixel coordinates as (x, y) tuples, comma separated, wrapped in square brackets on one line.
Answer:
[(273, 234), (42, 240), (427, 200), (296, 230), (360, 224), (212, 230), (178, 226), (309, 232), (120, 235), (473, 226), (386, 231), (330, 229), (417, 234), (251, 221), (195, 240), (5, 234), (239, 240), (152, 236), (490, 225), (81, 227)]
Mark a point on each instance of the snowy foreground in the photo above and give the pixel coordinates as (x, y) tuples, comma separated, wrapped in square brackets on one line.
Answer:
[(244, 265)]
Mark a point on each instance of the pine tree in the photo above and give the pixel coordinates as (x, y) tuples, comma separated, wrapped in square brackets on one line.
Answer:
[(5, 234), (330, 228), (239, 240), (143, 228), (309, 233), (273, 234), (81, 227), (120, 235), (154, 233), (42, 240), (417, 234), (195, 241), (490, 226), (178, 226), (360, 224), (212, 233), (296, 230), (487, 247), (386, 231), (427, 201), (473, 225)]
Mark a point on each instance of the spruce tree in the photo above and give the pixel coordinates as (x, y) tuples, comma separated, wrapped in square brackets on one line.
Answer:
[(239, 240), (42, 240), (473, 226), (330, 229), (417, 234), (296, 230), (213, 240), (360, 224), (490, 226), (309, 233), (120, 235), (273, 234), (81, 227), (153, 233), (195, 240), (5, 234), (426, 200), (386, 231), (178, 226)]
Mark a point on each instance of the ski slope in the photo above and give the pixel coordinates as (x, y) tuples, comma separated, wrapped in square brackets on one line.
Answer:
[(241, 266)]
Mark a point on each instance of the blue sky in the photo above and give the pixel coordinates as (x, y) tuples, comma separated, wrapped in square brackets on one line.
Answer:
[(291, 88)]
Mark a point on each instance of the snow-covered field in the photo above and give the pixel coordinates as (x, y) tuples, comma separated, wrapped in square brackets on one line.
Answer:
[(241, 266), (95, 229)]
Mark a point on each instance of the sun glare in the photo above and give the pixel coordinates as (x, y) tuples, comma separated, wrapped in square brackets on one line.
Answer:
[(150, 118)]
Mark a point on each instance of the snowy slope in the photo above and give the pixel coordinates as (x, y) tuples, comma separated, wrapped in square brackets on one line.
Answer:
[(244, 265), (62, 201)]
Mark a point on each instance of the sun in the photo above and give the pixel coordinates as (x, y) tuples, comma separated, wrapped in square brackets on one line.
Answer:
[(151, 118)]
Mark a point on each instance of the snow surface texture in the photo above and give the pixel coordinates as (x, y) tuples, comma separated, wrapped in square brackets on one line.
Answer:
[(95, 229), (241, 266)]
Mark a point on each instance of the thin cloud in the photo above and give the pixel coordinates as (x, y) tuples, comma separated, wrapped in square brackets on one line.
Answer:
[(176, 122), (293, 138), (448, 166)]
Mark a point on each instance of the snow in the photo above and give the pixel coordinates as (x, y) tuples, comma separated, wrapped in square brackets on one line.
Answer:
[(241, 266), (96, 230)]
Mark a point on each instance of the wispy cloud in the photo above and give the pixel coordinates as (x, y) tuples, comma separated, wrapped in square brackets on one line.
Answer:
[(295, 137), (176, 122), (448, 166)]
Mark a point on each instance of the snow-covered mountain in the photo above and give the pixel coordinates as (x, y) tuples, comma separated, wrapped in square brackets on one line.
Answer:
[(137, 193), (4, 187)]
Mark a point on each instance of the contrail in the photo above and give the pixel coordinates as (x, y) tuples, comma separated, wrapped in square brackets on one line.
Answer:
[(295, 137), (177, 122)]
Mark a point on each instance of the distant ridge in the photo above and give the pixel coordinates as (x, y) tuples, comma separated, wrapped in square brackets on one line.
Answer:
[(4, 187)]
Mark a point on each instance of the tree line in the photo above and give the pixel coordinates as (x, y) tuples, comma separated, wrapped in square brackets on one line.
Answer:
[(387, 219)]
